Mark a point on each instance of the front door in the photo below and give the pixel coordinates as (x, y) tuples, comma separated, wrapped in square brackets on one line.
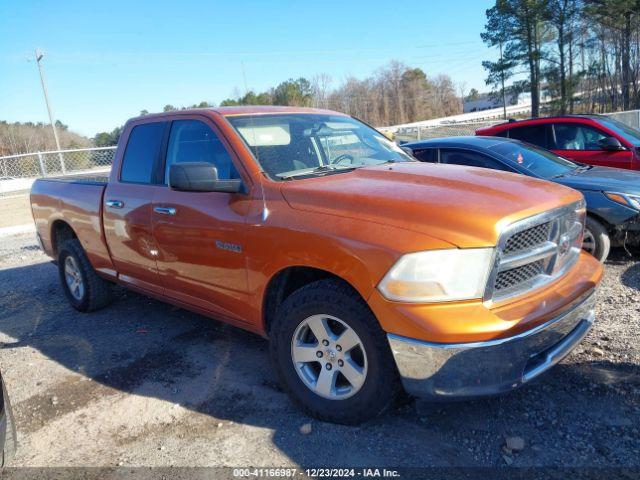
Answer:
[(580, 143), (201, 235)]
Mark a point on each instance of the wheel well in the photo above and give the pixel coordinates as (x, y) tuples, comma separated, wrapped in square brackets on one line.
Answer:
[(608, 227), (60, 233), (287, 281)]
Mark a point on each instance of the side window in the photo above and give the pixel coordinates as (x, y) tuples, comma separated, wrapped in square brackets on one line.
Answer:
[(470, 159), (194, 141), (141, 153), (534, 134), (426, 154), (573, 136)]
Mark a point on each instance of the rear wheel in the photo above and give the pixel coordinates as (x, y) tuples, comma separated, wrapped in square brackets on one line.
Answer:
[(596, 239), (331, 355), (84, 289)]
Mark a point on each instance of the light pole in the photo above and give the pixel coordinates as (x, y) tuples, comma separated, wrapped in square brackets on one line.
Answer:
[(504, 95), (39, 56)]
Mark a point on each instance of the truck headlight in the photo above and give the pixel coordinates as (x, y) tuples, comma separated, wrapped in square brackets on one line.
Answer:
[(632, 201), (438, 275)]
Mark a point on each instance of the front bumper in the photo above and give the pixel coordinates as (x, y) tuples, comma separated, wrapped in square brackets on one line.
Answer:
[(464, 370)]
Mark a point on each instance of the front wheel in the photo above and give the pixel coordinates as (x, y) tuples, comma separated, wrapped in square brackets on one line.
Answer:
[(596, 239), (331, 355)]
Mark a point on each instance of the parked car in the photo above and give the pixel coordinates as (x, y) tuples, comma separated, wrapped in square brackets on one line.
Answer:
[(365, 269), (612, 194), (7, 426), (591, 139)]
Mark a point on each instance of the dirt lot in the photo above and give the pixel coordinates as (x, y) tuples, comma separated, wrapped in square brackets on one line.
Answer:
[(141, 383), (16, 210)]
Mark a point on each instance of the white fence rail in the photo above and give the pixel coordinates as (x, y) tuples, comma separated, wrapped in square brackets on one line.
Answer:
[(18, 172)]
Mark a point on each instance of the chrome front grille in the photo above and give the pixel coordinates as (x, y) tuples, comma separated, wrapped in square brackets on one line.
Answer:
[(528, 238), (536, 251), (518, 276)]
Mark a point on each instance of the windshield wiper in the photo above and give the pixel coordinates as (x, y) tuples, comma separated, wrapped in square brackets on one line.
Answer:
[(321, 170), (582, 168)]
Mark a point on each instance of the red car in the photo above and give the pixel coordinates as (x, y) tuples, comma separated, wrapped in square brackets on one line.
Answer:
[(590, 139)]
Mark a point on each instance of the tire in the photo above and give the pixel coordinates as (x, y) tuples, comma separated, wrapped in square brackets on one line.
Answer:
[(93, 292), (596, 239), (333, 303)]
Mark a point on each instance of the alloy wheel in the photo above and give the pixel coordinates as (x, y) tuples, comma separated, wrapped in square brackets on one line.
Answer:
[(589, 242), (73, 278), (329, 357)]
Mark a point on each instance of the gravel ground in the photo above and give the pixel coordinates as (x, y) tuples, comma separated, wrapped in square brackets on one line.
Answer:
[(16, 210), (144, 384)]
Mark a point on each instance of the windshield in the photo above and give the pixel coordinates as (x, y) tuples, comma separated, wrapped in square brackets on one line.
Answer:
[(298, 145), (536, 160), (630, 134)]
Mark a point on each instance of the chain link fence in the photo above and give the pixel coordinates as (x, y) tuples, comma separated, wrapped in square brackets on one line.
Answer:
[(17, 172), (411, 134)]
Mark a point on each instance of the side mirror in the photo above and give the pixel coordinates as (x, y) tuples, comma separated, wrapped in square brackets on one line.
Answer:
[(200, 177), (610, 144)]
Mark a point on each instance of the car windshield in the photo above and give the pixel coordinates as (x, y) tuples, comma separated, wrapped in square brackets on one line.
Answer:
[(625, 131), (536, 160), (300, 145)]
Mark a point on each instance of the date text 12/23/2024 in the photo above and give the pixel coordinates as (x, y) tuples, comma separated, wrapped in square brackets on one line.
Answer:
[(316, 472)]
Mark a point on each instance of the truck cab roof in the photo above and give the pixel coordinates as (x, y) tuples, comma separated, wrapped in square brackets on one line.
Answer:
[(240, 110)]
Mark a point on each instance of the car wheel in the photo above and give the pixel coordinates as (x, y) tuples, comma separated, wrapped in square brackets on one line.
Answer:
[(596, 239), (84, 289), (331, 355)]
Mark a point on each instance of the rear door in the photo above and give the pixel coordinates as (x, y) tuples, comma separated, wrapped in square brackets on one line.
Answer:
[(127, 207), (537, 134), (201, 235), (579, 142), (470, 158), (428, 155)]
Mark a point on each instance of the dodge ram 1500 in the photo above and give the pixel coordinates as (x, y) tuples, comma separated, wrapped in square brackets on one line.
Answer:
[(367, 271)]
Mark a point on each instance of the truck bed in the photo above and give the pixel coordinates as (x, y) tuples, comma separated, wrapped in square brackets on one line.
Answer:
[(77, 202)]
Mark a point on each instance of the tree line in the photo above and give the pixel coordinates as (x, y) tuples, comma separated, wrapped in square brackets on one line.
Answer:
[(583, 54), (394, 94), (27, 137)]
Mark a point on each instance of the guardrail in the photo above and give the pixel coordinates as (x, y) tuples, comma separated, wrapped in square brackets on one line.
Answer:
[(18, 172)]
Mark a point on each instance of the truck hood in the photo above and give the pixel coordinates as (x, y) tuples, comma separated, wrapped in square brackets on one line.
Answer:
[(603, 179), (464, 206)]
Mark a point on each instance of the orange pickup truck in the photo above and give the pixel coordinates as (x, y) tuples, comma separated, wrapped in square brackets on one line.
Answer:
[(368, 272)]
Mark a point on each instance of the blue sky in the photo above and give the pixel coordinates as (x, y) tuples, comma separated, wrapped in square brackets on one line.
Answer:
[(105, 61)]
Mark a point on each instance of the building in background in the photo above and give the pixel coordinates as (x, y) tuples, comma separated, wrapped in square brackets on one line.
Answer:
[(486, 101)]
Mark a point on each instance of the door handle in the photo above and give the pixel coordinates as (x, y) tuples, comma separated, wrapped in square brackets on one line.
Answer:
[(114, 203), (165, 210)]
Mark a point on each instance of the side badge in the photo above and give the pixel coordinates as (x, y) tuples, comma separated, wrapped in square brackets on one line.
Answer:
[(231, 247)]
